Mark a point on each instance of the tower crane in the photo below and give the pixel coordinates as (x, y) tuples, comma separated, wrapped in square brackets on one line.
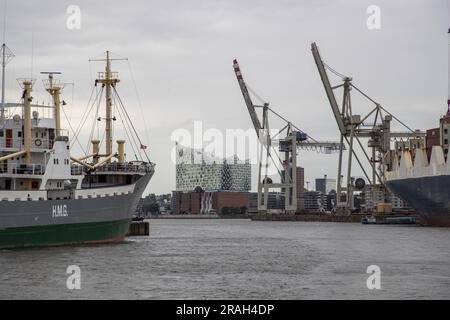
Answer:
[(289, 139), (375, 125)]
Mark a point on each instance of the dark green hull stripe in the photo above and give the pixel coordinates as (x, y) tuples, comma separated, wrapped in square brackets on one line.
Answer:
[(64, 234)]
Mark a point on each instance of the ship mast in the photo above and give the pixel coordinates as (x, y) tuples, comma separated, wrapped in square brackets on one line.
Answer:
[(108, 79), (54, 88)]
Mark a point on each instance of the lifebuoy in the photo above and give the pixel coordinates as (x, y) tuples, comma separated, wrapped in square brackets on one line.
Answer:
[(38, 142)]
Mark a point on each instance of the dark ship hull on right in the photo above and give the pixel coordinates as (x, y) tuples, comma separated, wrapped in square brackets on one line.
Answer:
[(421, 176), (430, 196)]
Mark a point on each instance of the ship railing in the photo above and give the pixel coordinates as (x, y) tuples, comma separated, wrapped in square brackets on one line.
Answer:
[(123, 167), (77, 169), (22, 168), (113, 167)]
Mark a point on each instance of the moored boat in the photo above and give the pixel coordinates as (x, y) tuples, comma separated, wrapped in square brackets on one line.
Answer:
[(49, 197)]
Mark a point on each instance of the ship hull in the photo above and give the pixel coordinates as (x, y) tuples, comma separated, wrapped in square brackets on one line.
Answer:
[(103, 219), (430, 196), (64, 234)]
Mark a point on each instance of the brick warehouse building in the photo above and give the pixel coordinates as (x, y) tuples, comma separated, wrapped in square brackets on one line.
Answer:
[(208, 202)]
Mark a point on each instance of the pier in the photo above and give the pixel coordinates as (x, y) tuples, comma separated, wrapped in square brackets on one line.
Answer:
[(139, 228), (307, 217)]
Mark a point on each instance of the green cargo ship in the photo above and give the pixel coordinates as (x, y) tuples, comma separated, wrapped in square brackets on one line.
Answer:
[(49, 197)]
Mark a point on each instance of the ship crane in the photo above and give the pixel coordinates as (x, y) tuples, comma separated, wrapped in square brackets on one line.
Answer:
[(375, 125), (289, 139)]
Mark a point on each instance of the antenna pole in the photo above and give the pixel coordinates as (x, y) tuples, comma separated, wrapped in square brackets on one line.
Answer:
[(448, 91), (7, 55), (2, 110)]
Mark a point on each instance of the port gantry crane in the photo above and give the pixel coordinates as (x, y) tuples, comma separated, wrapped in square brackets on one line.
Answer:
[(289, 139), (375, 125)]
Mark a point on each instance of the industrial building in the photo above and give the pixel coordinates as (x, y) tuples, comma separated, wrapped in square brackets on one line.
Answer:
[(445, 133), (439, 136), (433, 138), (325, 184), (375, 195)]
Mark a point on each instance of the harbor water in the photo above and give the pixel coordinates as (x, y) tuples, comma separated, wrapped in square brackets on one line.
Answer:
[(240, 259)]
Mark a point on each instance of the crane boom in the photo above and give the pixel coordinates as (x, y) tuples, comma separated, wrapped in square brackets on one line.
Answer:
[(288, 147), (328, 88), (248, 100)]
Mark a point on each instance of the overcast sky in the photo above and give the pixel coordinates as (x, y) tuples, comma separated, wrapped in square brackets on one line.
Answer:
[(181, 53)]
